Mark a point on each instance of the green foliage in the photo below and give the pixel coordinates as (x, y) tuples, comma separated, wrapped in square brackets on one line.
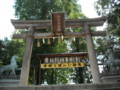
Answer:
[(11, 47), (58, 76), (101, 45), (110, 9), (80, 75), (78, 45), (42, 9)]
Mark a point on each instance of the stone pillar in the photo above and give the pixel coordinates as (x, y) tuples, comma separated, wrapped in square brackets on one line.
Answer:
[(92, 56), (27, 57)]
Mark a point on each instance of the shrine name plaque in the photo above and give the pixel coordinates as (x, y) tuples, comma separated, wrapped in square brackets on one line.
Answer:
[(61, 65), (58, 23)]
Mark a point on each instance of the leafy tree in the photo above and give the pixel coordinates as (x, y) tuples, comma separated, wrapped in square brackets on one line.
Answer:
[(110, 9), (80, 75), (42, 9), (11, 47), (101, 45)]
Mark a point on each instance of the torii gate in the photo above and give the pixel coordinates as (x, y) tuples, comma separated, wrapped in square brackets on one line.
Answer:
[(58, 24)]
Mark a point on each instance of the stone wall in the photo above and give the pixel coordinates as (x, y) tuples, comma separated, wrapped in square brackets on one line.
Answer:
[(112, 86)]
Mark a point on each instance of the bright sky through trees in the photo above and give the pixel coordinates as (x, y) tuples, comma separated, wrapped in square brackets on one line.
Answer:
[(7, 13)]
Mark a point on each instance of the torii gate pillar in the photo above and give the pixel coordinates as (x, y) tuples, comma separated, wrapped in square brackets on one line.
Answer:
[(92, 55), (27, 57)]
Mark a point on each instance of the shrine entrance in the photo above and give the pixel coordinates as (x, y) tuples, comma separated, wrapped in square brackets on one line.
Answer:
[(58, 25), (70, 60)]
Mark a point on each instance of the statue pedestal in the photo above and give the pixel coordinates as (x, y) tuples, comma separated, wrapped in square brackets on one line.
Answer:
[(9, 82), (111, 79), (111, 76)]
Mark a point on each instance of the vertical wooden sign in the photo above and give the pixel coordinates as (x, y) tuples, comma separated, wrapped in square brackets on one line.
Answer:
[(58, 23)]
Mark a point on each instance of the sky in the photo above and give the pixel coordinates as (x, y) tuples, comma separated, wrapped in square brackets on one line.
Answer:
[(7, 13)]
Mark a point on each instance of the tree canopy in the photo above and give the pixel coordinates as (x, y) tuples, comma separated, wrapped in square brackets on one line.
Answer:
[(42, 9), (110, 9), (11, 47)]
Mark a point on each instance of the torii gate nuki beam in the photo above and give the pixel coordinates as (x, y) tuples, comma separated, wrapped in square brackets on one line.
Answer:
[(31, 25)]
